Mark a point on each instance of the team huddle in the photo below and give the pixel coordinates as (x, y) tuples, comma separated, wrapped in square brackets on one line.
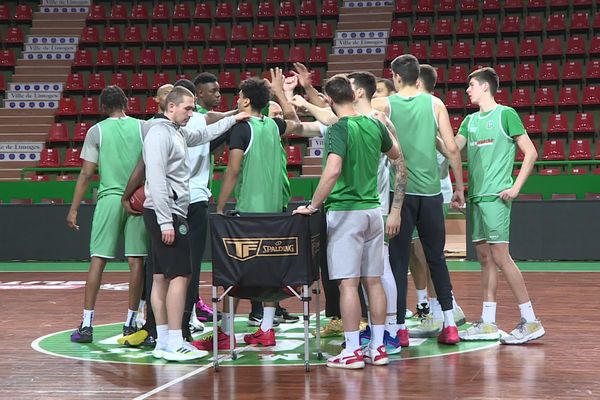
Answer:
[(385, 191)]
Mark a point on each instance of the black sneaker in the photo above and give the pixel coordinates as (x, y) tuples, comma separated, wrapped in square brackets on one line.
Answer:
[(256, 319), (83, 334), (422, 310), (284, 317), (129, 330)]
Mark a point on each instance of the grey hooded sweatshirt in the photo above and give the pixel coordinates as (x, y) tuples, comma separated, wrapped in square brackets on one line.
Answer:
[(167, 170)]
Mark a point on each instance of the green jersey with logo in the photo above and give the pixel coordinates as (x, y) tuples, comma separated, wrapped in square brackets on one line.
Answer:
[(416, 128), (263, 185), (359, 140), (491, 149)]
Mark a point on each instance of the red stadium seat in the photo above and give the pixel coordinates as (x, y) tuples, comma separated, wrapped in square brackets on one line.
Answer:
[(147, 58), (558, 124), (556, 23), (74, 83), (529, 49), (239, 34), (554, 150), (548, 72), (244, 12), (579, 171), (81, 129), (126, 58), (89, 106), (501, 97), (287, 10), (97, 13), (227, 80), (544, 97), (580, 22), (261, 34), (550, 171), (526, 73), (399, 30), (443, 28), (533, 25), (303, 33), (202, 12), (488, 26), (441, 75), (58, 133), (484, 50), (89, 36), (275, 56), (297, 54), (159, 79), (105, 59), (572, 71), (168, 58), (83, 59), (461, 51), (139, 13), (455, 121), (151, 106), (439, 51), (224, 12), (96, 83), (112, 35), (154, 35), (592, 70), (190, 57), (491, 6), (23, 13), (119, 79), (254, 56), (568, 97), (506, 50), (66, 107), (233, 56), (511, 25), (308, 9), (211, 57), (245, 75), (197, 34), (513, 5), (266, 10), (133, 35), (175, 35), (584, 123), (446, 7), (591, 96), (576, 46), (394, 50), (468, 6), (552, 48), (580, 150), (533, 124), (466, 27), (73, 158), (418, 50), (421, 29), (505, 73), (139, 81), (281, 33), (455, 100), (48, 158), (118, 13), (425, 7), (294, 156), (521, 98), (134, 107), (329, 9), (217, 34), (181, 12), (457, 75)]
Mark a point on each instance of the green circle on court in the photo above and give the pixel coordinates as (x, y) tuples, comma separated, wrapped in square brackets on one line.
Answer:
[(288, 351)]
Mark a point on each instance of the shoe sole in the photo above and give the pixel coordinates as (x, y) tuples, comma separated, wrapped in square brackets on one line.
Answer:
[(385, 361), (157, 353), (174, 357), (450, 342), (484, 336), (392, 349), (356, 365), (261, 344), (542, 332), (254, 323), (425, 334)]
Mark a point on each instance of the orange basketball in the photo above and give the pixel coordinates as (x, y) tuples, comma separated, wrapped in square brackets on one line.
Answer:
[(137, 199)]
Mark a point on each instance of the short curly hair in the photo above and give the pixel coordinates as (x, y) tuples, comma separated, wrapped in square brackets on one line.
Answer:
[(112, 98), (257, 91)]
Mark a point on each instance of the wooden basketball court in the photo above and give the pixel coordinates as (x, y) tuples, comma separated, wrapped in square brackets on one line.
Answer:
[(562, 365)]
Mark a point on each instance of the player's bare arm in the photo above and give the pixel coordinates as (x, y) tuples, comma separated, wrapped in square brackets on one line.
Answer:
[(530, 155), (230, 178), (83, 182)]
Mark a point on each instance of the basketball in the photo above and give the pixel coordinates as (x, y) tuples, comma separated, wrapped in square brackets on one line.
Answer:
[(137, 199)]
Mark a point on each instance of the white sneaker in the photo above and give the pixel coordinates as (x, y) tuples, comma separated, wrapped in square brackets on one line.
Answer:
[(524, 332), (158, 352), (186, 352), (459, 316), (408, 314), (376, 356), (429, 327), (480, 331), (347, 360), (195, 324), (139, 319)]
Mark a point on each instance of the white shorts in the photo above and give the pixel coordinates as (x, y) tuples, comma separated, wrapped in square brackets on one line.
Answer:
[(354, 243)]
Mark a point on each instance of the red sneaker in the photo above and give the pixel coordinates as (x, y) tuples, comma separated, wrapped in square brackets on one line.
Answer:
[(347, 360), (449, 335), (402, 335), (259, 337), (207, 342), (376, 356)]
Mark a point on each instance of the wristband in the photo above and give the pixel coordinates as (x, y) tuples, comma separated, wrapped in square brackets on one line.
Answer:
[(311, 208)]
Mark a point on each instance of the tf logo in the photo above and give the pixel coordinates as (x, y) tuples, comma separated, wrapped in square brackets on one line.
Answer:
[(242, 249)]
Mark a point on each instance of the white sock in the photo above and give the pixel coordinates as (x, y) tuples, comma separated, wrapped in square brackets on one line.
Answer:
[(421, 296), (88, 318), (376, 336), (454, 303), (527, 311), (225, 322), (131, 316), (401, 326), (390, 324), (488, 315), (352, 341), (175, 339), (449, 318), (267, 320), (162, 336), (141, 306), (436, 309)]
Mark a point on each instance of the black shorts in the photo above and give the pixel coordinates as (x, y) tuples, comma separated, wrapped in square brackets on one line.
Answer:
[(174, 260)]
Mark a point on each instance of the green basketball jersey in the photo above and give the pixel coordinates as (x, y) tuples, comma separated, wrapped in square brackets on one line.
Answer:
[(200, 109), (261, 185), (416, 129), (120, 147), (491, 149), (359, 140)]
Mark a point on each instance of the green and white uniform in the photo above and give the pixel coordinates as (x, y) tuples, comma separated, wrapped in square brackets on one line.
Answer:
[(115, 144), (354, 223), (491, 153)]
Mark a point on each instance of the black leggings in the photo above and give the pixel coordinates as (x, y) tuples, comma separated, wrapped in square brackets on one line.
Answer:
[(426, 213)]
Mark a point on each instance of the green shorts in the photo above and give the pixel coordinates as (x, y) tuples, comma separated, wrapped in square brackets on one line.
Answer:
[(446, 207), (490, 220), (111, 223)]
